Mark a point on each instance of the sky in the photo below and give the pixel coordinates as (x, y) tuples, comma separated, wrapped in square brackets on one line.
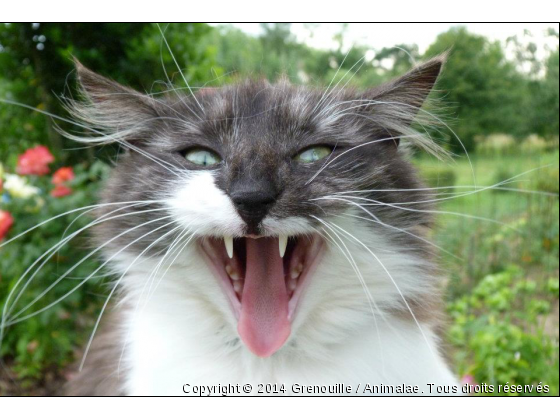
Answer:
[(379, 35)]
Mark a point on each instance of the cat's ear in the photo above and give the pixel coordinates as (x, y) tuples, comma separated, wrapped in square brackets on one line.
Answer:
[(396, 104), (412, 89), (111, 109)]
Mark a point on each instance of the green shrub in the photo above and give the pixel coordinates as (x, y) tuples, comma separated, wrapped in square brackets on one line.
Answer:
[(546, 180), (495, 144), (499, 331), (534, 144)]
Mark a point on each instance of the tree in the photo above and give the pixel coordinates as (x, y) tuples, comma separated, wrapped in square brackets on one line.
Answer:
[(486, 92), (36, 65)]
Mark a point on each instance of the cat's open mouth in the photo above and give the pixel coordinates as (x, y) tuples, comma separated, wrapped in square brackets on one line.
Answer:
[(264, 278)]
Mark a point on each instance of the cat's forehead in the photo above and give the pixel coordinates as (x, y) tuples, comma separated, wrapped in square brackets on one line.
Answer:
[(259, 114), (250, 99)]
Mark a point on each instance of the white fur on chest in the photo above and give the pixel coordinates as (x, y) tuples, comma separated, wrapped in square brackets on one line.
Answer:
[(162, 363), (185, 333)]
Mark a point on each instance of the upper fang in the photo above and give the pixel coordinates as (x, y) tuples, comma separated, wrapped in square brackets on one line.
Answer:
[(282, 244), (228, 241)]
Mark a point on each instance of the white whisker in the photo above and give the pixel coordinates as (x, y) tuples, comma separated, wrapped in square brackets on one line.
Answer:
[(118, 282), (394, 283)]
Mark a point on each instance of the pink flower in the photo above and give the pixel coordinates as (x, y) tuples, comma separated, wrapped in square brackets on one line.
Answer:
[(468, 379), (63, 175), (6, 222), (61, 191), (35, 161)]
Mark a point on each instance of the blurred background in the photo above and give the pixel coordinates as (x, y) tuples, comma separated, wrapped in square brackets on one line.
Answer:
[(498, 93)]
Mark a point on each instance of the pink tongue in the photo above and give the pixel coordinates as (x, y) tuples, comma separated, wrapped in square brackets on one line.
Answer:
[(263, 324)]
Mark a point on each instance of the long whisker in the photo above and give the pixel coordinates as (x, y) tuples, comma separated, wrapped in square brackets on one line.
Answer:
[(151, 279), (352, 262), (479, 190), (80, 139), (169, 265), (92, 206), (55, 248), (148, 281), (331, 82), (394, 283), (348, 151), (179, 68), (120, 280), (377, 220), (11, 322), (169, 82), (449, 213), (362, 60), (5, 310), (439, 120)]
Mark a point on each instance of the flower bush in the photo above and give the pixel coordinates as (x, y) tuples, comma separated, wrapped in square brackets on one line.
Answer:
[(46, 342), (60, 180), (6, 222), (35, 161)]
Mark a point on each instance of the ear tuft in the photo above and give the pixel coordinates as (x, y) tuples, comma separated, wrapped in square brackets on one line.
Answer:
[(97, 87), (108, 110)]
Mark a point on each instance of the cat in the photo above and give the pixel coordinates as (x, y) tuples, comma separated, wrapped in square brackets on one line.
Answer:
[(264, 233)]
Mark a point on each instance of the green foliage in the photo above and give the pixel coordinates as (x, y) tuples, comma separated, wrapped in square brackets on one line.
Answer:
[(275, 53), (484, 89), (36, 64), (499, 331), (503, 276), (546, 180)]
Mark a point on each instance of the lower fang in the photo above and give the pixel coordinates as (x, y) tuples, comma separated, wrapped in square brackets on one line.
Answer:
[(296, 271), (232, 273), (238, 287), (292, 284)]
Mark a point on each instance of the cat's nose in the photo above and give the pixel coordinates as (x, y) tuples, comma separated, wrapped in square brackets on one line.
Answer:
[(253, 204)]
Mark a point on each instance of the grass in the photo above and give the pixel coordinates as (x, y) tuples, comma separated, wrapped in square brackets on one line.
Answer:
[(532, 236)]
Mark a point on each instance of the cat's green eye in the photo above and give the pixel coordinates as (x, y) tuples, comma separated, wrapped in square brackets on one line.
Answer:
[(202, 157), (313, 154)]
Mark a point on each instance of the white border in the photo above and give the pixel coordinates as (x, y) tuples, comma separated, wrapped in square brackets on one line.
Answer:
[(285, 10)]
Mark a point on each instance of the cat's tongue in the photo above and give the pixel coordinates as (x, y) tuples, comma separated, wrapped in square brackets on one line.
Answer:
[(263, 323)]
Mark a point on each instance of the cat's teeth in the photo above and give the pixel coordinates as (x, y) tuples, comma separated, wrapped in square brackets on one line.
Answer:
[(282, 244), (296, 271), (238, 286), (232, 273), (228, 241), (292, 284)]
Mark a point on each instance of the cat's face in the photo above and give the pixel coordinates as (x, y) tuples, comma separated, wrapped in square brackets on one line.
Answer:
[(278, 201)]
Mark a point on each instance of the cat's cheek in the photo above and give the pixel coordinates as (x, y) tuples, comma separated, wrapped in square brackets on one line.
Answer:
[(199, 205)]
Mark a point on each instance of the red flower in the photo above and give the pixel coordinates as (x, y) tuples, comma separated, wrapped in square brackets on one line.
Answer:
[(63, 175), (6, 222), (61, 191), (35, 161)]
